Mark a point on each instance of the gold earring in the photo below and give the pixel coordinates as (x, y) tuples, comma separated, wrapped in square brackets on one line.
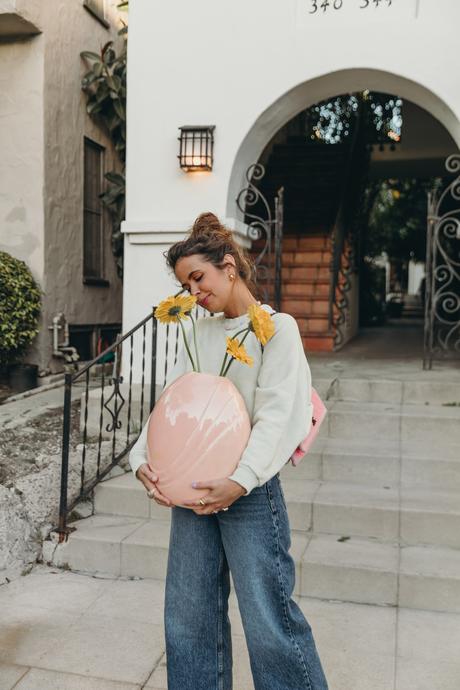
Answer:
[(232, 277)]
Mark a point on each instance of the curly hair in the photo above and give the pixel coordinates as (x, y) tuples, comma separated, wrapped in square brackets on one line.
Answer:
[(211, 239)]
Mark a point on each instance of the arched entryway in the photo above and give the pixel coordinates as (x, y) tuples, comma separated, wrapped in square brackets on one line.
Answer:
[(328, 309)]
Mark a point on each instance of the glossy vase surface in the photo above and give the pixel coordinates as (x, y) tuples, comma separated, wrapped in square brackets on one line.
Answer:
[(198, 430)]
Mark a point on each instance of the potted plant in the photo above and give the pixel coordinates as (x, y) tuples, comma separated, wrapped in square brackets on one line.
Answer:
[(20, 303)]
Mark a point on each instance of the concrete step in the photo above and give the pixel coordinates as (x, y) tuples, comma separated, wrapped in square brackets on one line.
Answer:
[(331, 566), (115, 545), (432, 425), (394, 463), (415, 392), (387, 512), (372, 572)]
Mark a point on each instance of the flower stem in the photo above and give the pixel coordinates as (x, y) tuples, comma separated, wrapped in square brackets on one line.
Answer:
[(187, 345), (194, 341)]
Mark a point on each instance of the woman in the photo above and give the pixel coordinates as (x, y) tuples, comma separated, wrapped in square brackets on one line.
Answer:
[(241, 525)]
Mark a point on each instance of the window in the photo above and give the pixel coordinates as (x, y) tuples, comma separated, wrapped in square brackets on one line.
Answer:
[(97, 8), (93, 214), (92, 339)]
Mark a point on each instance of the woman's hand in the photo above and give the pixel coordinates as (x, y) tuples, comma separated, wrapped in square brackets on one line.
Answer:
[(222, 493), (149, 479)]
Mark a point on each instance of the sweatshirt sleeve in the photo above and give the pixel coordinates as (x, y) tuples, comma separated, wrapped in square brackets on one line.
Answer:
[(138, 453), (282, 406)]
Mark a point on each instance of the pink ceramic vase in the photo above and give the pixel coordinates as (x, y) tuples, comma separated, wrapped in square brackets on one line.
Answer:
[(198, 430)]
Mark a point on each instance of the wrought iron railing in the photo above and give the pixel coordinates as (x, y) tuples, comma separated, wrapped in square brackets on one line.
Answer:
[(266, 229), (113, 410), (442, 280), (345, 234)]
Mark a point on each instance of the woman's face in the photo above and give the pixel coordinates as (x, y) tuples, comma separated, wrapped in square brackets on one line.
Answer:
[(209, 284)]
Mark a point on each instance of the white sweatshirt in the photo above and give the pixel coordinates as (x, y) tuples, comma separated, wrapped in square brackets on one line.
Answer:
[(276, 391)]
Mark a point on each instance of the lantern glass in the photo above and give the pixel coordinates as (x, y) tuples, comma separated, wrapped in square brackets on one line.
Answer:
[(196, 147)]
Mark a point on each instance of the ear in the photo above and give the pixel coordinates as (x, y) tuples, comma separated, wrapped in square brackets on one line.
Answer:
[(229, 260)]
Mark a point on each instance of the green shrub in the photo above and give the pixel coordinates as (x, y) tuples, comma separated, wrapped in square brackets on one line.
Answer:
[(20, 302)]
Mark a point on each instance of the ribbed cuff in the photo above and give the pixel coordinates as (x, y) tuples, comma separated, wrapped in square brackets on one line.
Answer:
[(135, 462), (246, 477)]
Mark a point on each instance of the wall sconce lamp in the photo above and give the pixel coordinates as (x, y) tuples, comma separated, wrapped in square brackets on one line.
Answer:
[(196, 147)]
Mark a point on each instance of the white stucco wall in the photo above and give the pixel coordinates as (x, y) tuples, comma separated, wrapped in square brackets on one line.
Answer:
[(22, 158), (248, 67)]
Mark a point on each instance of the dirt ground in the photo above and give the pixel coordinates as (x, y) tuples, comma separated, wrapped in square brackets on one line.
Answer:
[(29, 446)]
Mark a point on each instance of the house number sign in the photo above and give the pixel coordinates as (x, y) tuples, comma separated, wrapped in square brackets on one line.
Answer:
[(325, 5), (337, 7)]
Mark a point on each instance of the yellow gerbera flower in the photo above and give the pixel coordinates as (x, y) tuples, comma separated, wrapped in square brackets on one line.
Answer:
[(237, 351), (171, 309), (261, 324)]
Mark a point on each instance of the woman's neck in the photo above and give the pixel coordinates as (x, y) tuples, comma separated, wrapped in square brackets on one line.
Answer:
[(239, 304)]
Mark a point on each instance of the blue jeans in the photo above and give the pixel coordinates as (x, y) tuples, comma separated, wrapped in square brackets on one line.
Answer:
[(251, 540)]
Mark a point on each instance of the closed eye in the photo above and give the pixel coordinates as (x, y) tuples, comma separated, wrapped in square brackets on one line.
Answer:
[(187, 289)]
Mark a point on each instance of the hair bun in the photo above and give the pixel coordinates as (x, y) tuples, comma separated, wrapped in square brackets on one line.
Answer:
[(208, 224)]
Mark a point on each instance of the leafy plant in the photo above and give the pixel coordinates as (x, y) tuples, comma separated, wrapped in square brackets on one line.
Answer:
[(397, 223), (20, 304), (105, 87)]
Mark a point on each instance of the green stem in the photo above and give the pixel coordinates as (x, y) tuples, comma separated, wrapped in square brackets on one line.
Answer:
[(223, 364), (186, 345), (194, 341)]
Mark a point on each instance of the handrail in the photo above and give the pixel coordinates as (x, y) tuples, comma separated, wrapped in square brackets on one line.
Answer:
[(111, 405), (112, 408)]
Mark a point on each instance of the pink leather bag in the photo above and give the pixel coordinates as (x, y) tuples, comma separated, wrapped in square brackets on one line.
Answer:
[(319, 413)]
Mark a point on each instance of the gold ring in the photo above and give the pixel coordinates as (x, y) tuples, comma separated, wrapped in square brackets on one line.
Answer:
[(202, 501)]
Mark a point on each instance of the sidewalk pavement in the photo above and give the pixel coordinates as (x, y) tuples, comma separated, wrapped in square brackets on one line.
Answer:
[(61, 630)]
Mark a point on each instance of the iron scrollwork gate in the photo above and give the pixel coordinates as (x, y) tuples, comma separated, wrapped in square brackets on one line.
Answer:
[(265, 228), (442, 281)]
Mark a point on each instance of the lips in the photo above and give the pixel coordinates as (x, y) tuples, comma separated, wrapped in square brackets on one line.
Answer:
[(203, 302)]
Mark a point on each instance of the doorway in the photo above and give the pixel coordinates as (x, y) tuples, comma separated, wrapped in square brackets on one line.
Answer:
[(356, 170)]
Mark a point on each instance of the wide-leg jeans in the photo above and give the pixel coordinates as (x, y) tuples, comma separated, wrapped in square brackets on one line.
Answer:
[(251, 540)]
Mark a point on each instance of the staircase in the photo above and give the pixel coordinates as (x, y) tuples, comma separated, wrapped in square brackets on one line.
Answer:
[(374, 508), (313, 177), (413, 308), (306, 276)]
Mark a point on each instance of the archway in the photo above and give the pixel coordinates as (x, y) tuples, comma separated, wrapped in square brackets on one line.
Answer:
[(306, 94), (439, 122)]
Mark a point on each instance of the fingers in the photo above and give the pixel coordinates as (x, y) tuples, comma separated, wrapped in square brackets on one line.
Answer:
[(159, 498), (146, 471), (149, 479), (196, 501)]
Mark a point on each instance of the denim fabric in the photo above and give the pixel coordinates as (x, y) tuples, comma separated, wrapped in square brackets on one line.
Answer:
[(251, 540)]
